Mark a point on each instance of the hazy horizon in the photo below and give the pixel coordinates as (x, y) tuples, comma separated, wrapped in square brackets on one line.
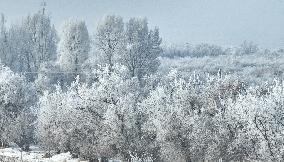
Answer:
[(220, 22)]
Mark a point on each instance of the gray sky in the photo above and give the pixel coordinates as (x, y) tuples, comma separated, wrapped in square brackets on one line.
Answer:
[(222, 22)]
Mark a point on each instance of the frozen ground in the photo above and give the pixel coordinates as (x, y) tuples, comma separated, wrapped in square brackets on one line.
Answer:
[(35, 155)]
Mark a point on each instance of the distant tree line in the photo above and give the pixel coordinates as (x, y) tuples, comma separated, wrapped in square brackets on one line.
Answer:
[(205, 49)]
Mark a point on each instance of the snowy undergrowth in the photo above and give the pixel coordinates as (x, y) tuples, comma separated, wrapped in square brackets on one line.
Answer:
[(36, 156)]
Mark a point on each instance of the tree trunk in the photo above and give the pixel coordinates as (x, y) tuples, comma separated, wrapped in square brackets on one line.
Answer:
[(93, 160), (188, 159), (104, 159)]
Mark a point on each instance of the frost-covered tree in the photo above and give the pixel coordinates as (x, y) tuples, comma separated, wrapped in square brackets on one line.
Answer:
[(143, 48), (3, 39), (174, 114), (21, 56), (110, 40), (74, 46), (28, 44), (204, 49), (247, 48), (187, 118), (259, 120), (43, 38), (17, 99), (76, 120)]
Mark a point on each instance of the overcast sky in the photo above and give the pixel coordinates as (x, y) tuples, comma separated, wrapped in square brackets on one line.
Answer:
[(222, 22)]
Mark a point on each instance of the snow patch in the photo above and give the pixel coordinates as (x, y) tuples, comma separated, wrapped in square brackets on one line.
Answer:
[(36, 156)]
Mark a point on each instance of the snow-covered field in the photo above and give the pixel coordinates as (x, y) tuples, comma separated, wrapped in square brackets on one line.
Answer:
[(34, 156)]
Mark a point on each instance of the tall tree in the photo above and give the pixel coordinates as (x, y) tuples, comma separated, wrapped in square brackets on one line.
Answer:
[(110, 39), (28, 44), (3, 39), (143, 48), (43, 37), (20, 58), (74, 46)]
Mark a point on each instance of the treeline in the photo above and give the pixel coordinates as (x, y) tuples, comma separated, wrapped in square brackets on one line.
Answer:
[(205, 49), (170, 119), (30, 47), (259, 68), (107, 99)]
